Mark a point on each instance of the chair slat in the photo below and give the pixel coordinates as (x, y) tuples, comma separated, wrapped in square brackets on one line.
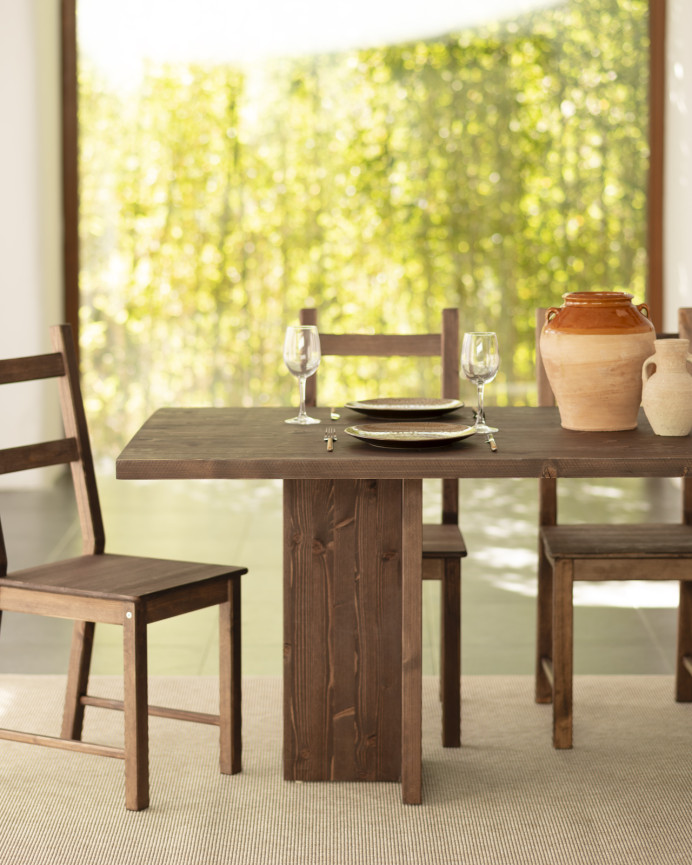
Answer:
[(380, 345), (75, 424), (30, 368), (53, 453)]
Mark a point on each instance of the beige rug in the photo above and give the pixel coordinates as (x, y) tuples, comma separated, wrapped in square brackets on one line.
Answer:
[(623, 795)]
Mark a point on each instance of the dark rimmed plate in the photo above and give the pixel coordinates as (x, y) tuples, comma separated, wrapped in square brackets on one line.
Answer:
[(411, 434), (402, 407)]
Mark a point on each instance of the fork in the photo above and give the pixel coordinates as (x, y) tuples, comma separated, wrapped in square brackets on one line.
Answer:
[(330, 437)]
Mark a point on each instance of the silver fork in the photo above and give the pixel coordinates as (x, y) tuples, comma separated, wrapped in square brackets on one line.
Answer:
[(330, 437)]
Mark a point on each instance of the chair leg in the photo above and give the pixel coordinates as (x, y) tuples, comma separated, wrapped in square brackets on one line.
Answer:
[(683, 674), (230, 738), (136, 707), (544, 613), (562, 653), (450, 653), (77, 679)]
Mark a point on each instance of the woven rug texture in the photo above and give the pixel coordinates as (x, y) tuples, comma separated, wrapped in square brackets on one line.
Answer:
[(622, 795)]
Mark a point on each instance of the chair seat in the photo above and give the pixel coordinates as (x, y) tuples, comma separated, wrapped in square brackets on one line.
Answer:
[(631, 541), (443, 541), (115, 577)]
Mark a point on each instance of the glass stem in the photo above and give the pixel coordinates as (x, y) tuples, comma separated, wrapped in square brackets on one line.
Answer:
[(480, 416), (301, 387)]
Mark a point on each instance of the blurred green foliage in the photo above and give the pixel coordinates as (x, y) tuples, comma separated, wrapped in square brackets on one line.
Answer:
[(492, 170)]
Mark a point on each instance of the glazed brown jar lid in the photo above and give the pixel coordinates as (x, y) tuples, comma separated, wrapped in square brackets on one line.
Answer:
[(598, 312)]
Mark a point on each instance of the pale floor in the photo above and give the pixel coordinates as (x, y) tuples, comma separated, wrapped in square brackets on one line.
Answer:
[(619, 628)]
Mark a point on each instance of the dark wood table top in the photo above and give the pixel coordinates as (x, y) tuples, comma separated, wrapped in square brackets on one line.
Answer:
[(256, 443)]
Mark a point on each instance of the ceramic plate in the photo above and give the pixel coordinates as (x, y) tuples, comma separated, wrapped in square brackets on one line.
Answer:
[(410, 435), (402, 407)]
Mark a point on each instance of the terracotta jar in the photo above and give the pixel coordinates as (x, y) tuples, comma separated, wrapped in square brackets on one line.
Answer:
[(593, 349), (667, 388)]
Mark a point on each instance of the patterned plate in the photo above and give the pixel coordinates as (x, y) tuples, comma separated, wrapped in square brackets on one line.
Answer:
[(401, 407), (410, 435)]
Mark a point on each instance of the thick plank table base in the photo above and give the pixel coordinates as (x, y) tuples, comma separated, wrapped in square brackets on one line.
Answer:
[(348, 543), (352, 556)]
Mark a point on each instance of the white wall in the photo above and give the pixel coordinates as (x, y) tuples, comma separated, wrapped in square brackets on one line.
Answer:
[(30, 209), (678, 163)]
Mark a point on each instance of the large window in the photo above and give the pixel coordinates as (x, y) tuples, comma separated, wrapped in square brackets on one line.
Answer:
[(230, 176)]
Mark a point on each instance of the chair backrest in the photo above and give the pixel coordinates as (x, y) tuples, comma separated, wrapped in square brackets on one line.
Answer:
[(444, 345), (72, 449), (547, 486)]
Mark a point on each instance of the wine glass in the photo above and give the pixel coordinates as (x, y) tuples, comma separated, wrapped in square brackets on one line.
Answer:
[(302, 356), (480, 361)]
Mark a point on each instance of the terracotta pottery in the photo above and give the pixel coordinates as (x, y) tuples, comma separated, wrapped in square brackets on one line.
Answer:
[(667, 388), (593, 348)]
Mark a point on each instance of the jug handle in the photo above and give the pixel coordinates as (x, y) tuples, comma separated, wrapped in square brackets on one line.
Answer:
[(646, 375), (551, 313), (644, 309)]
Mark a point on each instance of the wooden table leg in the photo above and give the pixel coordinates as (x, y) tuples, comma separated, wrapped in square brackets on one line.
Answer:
[(342, 629), (563, 651), (683, 667), (547, 516), (411, 641)]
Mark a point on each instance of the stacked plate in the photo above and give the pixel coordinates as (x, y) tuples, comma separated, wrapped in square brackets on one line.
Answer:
[(411, 429)]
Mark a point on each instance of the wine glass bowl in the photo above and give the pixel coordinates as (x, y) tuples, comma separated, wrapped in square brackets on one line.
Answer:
[(480, 361), (302, 355)]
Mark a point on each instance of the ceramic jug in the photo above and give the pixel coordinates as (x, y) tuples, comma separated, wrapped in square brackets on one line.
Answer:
[(593, 348), (667, 388)]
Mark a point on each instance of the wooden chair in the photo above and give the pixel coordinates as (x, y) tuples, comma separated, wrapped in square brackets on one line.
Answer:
[(602, 552), (124, 590), (443, 543)]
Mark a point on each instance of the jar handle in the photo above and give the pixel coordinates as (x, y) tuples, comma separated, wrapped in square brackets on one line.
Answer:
[(644, 309), (649, 362), (551, 312)]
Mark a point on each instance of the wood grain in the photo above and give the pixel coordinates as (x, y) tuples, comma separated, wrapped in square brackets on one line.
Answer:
[(658, 99), (683, 670), (567, 553), (441, 542), (562, 654), (230, 682), (411, 642), (70, 164), (136, 710), (77, 679), (342, 668), (75, 425), (256, 443), (450, 652), (25, 457), (122, 590), (31, 368), (328, 507)]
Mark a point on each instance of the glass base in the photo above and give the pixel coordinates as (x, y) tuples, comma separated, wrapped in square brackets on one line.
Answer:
[(303, 420), (484, 428)]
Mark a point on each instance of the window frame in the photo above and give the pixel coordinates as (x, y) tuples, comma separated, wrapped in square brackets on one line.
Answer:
[(70, 161)]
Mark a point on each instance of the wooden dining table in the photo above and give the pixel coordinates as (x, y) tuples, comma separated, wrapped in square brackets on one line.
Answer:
[(352, 554)]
